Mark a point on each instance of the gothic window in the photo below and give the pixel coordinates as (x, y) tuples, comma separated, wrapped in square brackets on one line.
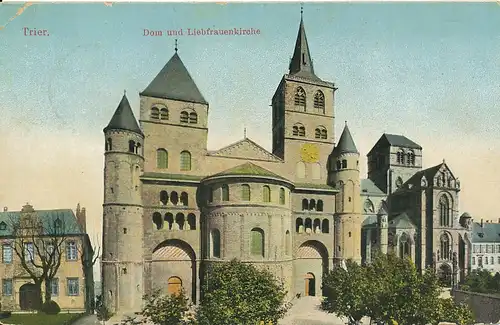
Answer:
[(164, 114), (184, 117), (163, 197), (445, 247), (193, 118), (245, 192), (131, 146), (225, 192), (109, 144), (257, 242), (344, 163), (215, 241), (282, 196), (185, 161), (300, 98), (266, 194), (319, 102), (161, 158), (319, 205), (369, 206), (155, 113), (444, 211), (404, 246)]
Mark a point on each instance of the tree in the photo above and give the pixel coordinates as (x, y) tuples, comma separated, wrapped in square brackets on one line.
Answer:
[(482, 281), (347, 291), (164, 310), (449, 311), (39, 244), (88, 257), (238, 293)]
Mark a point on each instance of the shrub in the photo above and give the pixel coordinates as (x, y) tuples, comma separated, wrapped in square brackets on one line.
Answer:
[(51, 308)]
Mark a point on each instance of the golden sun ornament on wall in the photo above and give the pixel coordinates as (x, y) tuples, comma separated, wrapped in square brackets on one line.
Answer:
[(309, 152)]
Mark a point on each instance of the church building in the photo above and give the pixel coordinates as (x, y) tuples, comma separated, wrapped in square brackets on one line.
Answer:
[(172, 207)]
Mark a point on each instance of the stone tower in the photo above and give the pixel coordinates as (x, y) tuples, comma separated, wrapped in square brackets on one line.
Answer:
[(122, 256), (343, 173), (303, 117), (383, 228)]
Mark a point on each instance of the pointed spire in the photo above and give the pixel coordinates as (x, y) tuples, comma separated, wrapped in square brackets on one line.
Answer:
[(301, 64), (346, 143), (174, 82), (123, 118)]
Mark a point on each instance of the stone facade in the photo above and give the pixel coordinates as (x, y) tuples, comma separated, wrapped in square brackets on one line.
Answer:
[(172, 206)]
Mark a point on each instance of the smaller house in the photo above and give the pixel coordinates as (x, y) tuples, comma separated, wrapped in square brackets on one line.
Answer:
[(485, 246)]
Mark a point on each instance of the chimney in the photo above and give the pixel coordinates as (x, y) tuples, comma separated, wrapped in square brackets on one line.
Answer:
[(481, 222), (81, 218), (5, 209)]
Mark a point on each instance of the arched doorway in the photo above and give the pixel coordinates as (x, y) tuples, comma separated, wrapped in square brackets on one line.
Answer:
[(445, 275), (28, 297), (174, 285), (310, 284)]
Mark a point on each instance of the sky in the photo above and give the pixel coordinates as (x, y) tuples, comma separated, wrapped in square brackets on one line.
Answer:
[(429, 71)]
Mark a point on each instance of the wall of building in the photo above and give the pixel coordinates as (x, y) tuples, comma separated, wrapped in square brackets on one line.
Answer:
[(486, 308), (486, 256)]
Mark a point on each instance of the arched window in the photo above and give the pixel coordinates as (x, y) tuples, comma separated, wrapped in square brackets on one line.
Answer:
[(369, 206), (444, 211), (225, 192), (174, 198), (316, 171), (317, 133), (295, 130), (445, 247), (298, 224), (302, 131), (245, 192), (404, 246), (184, 199), (312, 205), (155, 113), (319, 205), (401, 157), (163, 197), (325, 226), (282, 196), (174, 286), (300, 98), (193, 118), (184, 117), (109, 144), (411, 158), (210, 192), (180, 220), (308, 224), (138, 148), (301, 170), (164, 114), (305, 205), (191, 221), (161, 158), (339, 165), (169, 219), (344, 163), (215, 241), (131, 146), (157, 220), (266, 194), (317, 226), (257, 242), (185, 160), (319, 102), (287, 243)]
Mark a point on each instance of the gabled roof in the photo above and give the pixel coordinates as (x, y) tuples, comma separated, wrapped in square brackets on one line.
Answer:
[(301, 64), (123, 118), (346, 143), (429, 174), (247, 149), (401, 221), (247, 169), (174, 82), (488, 233), (68, 219), (369, 188), (395, 141), (382, 211)]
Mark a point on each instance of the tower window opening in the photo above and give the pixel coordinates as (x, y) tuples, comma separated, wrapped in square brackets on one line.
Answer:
[(300, 97), (344, 163), (131, 146), (124, 230), (184, 117), (155, 113), (164, 114)]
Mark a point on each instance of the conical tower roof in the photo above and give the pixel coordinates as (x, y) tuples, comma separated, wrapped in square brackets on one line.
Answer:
[(346, 143), (124, 118)]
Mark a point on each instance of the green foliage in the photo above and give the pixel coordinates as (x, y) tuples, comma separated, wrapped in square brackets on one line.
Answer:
[(390, 289), (43, 319), (103, 313), (239, 293), (482, 281), (51, 307), (449, 311), (164, 310)]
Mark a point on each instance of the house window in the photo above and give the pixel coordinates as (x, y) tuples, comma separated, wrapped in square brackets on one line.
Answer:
[(73, 287), (161, 158), (54, 287), (474, 260), (185, 161), (71, 251), (257, 242), (7, 287), (29, 252), (7, 254), (245, 192), (266, 194), (282, 196)]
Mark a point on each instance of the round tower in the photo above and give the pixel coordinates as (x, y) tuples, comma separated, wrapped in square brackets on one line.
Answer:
[(122, 252), (343, 174)]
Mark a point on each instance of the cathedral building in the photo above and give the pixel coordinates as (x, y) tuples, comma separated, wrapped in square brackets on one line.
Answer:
[(172, 207)]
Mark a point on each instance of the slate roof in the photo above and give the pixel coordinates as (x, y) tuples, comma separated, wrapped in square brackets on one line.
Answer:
[(488, 233), (370, 221), (301, 64), (369, 188), (429, 174), (174, 82), (346, 143), (395, 141), (248, 169), (401, 221), (48, 217), (123, 118)]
